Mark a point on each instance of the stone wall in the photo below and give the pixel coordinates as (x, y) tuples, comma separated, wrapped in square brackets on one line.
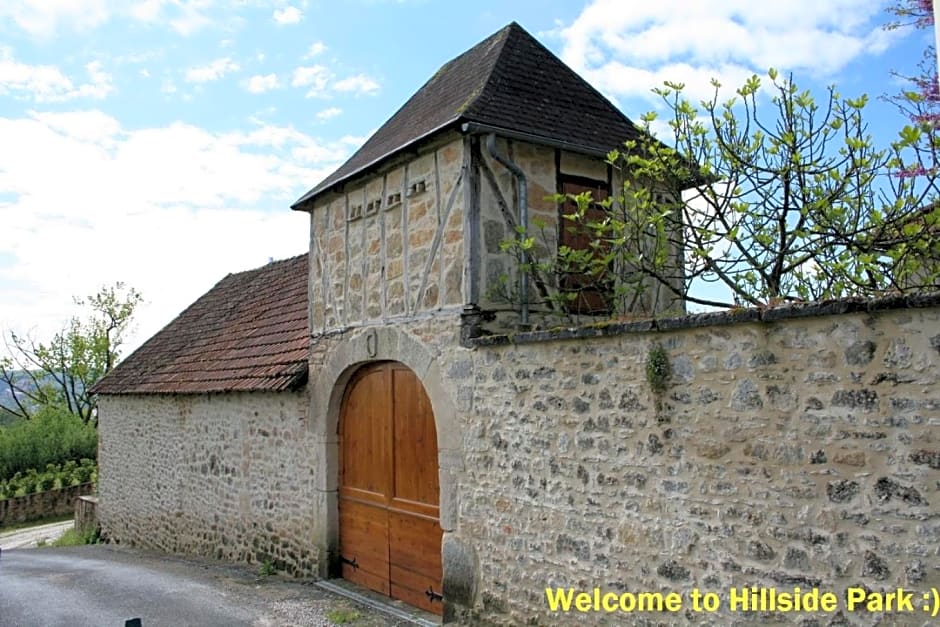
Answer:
[(794, 447), (42, 504), (786, 451), (228, 476)]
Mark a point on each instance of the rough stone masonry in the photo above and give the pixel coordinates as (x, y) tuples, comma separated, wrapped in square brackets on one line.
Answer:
[(794, 447), (798, 452)]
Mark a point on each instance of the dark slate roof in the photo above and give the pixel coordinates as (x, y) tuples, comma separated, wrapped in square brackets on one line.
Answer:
[(247, 333), (509, 81)]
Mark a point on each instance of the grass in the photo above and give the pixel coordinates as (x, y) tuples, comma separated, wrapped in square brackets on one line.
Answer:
[(266, 569), (72, 537), (342, 616)]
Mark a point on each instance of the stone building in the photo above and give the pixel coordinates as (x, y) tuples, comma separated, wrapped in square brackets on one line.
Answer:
[(361, 412), (201, 430)]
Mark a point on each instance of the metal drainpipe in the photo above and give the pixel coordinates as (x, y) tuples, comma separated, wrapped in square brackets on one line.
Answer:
[(523, 219)]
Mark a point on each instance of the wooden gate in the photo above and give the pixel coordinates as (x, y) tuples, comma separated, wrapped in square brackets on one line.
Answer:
[(389, 520)]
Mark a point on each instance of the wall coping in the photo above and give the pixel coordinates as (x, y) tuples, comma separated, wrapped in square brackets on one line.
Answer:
[(835, 307)]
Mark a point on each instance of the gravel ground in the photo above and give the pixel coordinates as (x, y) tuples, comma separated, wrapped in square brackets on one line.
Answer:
[(29, 536), (94, 585)]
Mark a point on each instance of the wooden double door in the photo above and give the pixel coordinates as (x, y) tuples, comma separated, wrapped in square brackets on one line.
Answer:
[(389, 517)]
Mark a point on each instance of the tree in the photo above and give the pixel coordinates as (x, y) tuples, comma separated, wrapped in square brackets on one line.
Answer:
[(799, 204), (920, 101), (912, 12), (774, 196), (57, 374)]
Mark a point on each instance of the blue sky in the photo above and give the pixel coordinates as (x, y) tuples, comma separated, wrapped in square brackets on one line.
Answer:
[(161, 142)]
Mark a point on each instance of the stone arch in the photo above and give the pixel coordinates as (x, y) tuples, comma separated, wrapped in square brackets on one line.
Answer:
[(327, 386), (382, 344)]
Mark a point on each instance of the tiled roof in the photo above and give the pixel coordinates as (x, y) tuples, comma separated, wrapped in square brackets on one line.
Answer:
[(247, 333), (509, 81)]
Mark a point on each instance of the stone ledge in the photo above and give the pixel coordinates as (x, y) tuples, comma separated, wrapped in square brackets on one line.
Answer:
[(717, 318)]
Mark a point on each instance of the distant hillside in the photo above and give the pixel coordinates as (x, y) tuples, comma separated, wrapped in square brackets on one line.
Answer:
[(6, 394), (6, 397)]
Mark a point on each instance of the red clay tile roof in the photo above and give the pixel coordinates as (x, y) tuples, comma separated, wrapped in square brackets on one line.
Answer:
[(247, 333), (508, 81)]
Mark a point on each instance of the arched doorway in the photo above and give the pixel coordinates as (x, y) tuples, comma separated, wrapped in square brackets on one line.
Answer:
[(389, 517)]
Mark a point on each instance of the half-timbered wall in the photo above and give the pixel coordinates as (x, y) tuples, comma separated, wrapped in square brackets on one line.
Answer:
[(390, 245)]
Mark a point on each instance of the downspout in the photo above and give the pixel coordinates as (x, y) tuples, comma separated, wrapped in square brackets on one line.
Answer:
[(523, 220)]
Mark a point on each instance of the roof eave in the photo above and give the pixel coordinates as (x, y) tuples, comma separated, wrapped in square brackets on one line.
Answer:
[(304, 202), (296, 382), (483, 128), (466, 126)]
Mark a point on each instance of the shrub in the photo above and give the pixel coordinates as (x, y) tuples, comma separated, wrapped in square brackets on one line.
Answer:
[(658, 369), (52, 437), (47, 481), (55, 476), (83, 473)]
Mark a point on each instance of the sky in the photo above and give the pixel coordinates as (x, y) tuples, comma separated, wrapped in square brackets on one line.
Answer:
[(161, 142)]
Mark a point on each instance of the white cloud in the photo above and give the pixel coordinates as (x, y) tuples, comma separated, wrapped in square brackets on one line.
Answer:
[(316, 77), (100, 85), (47, 83), (626, 49), (45, 18), (83, 126), (328, 114), (147, 10), (259, 84), (317, 47), (170, 210), (320, 81), (360, 84), (184, 16), (288, 15), (39, 81), (213, 71)]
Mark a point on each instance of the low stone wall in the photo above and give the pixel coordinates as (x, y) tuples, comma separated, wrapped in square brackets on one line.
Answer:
[(788, 451), (42, 504)]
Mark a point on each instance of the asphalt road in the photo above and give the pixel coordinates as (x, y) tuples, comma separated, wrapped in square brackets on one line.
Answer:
[(101, 586)]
